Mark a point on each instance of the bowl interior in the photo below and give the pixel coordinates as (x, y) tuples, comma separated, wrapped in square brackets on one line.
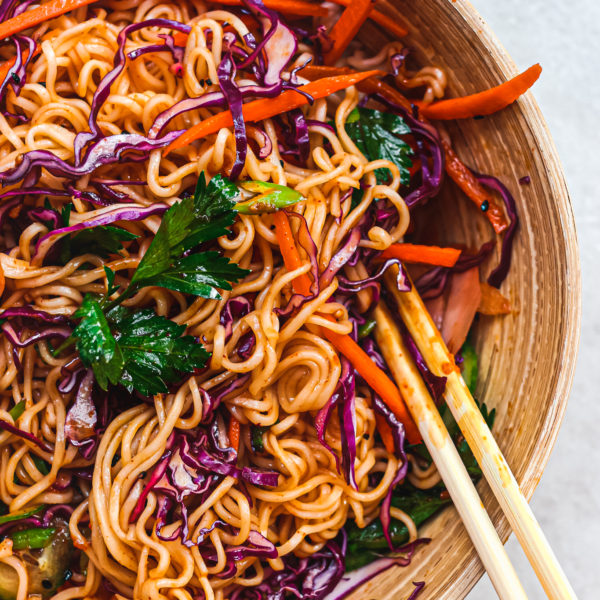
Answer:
[(526, 358)]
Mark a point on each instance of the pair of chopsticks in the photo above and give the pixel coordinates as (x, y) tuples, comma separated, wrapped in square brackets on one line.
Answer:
[(483, 445)]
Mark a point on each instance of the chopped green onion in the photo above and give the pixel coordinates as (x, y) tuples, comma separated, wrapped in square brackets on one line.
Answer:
[(31, 539), (366, 328), (270, 197), (17, 410), (21, 515)]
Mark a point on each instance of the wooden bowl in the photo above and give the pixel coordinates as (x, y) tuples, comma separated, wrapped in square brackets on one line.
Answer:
[(527, 358)]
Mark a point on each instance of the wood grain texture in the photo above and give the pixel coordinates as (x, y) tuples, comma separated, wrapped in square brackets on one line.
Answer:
[(527, 359)]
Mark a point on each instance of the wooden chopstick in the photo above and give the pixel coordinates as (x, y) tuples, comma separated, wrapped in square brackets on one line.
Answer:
[(446, 458), (482, 443)]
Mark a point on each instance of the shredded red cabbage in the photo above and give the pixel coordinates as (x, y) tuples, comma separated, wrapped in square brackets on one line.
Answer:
[(82, 418), (498, 275), (226, 72), (343, 399), (310, 578), (118, 213)]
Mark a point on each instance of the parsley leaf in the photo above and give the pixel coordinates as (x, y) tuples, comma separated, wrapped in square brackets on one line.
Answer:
[(378, 135), (101, 240), (184, 226), (198, 274), (96, 344), (155, 352)]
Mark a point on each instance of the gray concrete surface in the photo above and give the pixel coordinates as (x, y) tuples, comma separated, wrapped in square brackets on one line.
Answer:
[(565, 38)]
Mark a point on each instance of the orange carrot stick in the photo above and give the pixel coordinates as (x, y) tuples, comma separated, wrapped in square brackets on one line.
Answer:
[(382, 19), (2, 280), (290, 7), (467, 182), (38, 15), (344, 344), (180, 38), (427, 255), (371, 85), (257, 110), (486, 102), (346, 28), (234, 433)]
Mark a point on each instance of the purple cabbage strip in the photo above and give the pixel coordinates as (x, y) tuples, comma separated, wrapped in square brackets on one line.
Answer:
[(402, 280), (211, 400), (343, 399), (26, 435), (226, 72), (279, 45), (498, 275), (119, 213), (103, 90), (6, 9), (234, 309), (26, 521), (433, 283), (397, 429), (82, 418), (376, 568), (419, 586), (108, 150), (309, 578), (341, 257), (50, 513), (45, 215), (28, 312)]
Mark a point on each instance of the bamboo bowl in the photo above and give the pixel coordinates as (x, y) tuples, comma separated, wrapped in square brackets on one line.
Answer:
[(527, 358)]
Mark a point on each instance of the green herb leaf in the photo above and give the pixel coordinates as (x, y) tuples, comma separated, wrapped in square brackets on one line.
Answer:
[(469, 365), (199, 274), (187, 224), (379, 135), (155, 353), (96, 344), (65, 214), (110, 280), (256, 437), (366, 544), (101, 240)]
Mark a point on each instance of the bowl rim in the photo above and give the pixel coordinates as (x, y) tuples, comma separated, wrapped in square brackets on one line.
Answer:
[(571, 311)]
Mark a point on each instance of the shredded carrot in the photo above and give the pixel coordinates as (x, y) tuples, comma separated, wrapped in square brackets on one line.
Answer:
[(427, 255), (385, 432), (2, 280), (346, 28), (38, 15), (290, 7), (257, 110), (180, 38), (492, 301), (371, 85), (393, 27), (467, 182), (486, 102), (234, 433), (344, 344)]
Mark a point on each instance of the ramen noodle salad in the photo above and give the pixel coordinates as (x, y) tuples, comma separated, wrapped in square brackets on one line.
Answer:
[(198, 203)]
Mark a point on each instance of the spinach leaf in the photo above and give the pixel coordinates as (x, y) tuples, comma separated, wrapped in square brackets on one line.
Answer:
[(365, 545), (379, 135)]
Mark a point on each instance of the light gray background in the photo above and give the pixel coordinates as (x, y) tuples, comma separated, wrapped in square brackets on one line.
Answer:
[(564, 36)]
